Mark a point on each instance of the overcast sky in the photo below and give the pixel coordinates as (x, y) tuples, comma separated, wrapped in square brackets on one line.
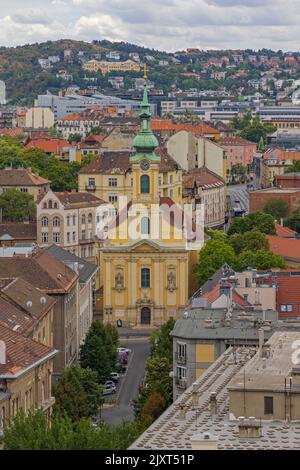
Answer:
[(163, 24)]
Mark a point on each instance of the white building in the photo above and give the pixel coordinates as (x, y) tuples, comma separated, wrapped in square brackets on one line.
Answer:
[(39, 118)]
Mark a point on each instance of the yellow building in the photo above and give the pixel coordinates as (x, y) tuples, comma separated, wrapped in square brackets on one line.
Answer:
[(106, 67), (145, 260)]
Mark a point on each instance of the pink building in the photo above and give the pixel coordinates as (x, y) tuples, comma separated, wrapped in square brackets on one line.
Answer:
[(238, 151)]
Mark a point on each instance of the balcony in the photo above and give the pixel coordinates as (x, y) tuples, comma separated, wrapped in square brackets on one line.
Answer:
[(86, 241), (90, 187), (181, 383), (180, 359)]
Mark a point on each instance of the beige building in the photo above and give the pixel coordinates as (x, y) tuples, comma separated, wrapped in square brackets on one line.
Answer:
[(25, 375), (111, 176), (69, 220), (54, 278), (202, 186), (24, 180), (24, 309), (191, 151), (39, 118), (106, 67), (275, 163)]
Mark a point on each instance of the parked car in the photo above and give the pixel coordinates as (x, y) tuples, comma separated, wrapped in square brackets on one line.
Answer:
[(124, 350), (115, 377), (109, 383), (109, 389)]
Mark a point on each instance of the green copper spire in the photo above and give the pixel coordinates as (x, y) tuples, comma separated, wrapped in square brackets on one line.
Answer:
[(145, 141)]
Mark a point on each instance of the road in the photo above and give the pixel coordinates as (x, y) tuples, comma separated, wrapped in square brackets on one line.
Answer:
[(239, 192), (130, 383)]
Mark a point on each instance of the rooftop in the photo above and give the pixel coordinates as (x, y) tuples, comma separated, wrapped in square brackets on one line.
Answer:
[(20, 177), (18, 230)]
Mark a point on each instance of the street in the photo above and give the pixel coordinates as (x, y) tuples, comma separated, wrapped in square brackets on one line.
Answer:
[(239, 192), (140, 350)]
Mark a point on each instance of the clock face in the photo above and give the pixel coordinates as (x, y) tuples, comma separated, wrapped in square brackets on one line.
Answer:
[(145, 165)]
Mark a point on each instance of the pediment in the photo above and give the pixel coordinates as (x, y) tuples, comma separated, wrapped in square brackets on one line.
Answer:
[(144, 246)]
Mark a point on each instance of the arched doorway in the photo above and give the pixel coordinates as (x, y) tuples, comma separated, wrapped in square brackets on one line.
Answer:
[(145, 316)]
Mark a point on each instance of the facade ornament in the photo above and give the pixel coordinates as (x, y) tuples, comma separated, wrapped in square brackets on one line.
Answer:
[(119, 281), (171, 281)]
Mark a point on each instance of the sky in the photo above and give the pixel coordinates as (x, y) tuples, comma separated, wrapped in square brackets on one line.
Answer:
[(168, 25)]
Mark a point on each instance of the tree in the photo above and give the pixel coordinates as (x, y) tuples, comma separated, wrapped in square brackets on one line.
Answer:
[(212, 256), (249, 241), (153, 408), (260, 259), (294, 168), (278, 208), (17, 206), (34, 432), (293, 221), (78, 393), (99, 351), (255, 221)]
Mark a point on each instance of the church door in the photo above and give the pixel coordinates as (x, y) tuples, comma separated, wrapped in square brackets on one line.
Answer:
[(145, 316)]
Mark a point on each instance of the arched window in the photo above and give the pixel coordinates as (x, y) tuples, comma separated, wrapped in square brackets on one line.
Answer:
[(45, 222), (145, 226), (145, 184), (55, 205), (145, 278), (45, 205), (83, 219), (90, 218), (50, 204), (56, 222)]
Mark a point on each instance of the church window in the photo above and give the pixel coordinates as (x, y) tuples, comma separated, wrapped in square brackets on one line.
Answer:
[(145, 278), (145, 226), (145, 184)]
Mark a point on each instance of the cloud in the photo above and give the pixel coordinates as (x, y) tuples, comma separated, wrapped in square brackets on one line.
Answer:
[(162, 24)]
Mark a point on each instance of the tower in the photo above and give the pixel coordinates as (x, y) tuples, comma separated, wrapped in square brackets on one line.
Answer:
[(145, 163)]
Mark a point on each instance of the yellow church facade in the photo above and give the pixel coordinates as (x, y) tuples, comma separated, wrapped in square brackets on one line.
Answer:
[(145, 262)]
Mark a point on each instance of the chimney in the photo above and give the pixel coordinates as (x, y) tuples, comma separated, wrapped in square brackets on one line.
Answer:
[(182, 412), (195, 394), (213, 403), (204, 441), (249, 428), (245, 296), (261, 341), (2, 353)]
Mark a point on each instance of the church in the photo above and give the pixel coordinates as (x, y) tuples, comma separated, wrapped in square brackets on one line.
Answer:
[(145, 261)]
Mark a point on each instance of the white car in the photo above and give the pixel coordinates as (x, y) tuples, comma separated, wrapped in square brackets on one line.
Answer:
[(109, 389), (123, 350), (115, 377)]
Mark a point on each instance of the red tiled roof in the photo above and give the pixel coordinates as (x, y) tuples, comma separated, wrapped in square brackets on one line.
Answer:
[(54, 146), (12, 132), (20, 352), (202, 177), (284, 231), (168, 125), (289, 248)]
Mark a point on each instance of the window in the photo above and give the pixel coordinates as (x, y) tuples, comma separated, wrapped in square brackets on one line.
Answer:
[(74, 236), (56, 237), (112, 198), (83, 219), (181, 349), (113, 182), (90, 218), (91, 182), (50, 204), (145, 278), (286, 308), (45, 222), (45, 237), (268, 405), (68, 237), (145, 184), (68, 221), (83, 235), (24, 190), (181, 373), (56, 222), (145, 226), (74, 219), (171, 179)]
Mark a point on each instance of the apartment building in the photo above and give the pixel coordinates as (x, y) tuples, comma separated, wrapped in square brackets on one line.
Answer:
[(275, 163), (24, 180), (238, 151), (26, 368), (248, 399), (202, 186), (54, 278), (69, 220)]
